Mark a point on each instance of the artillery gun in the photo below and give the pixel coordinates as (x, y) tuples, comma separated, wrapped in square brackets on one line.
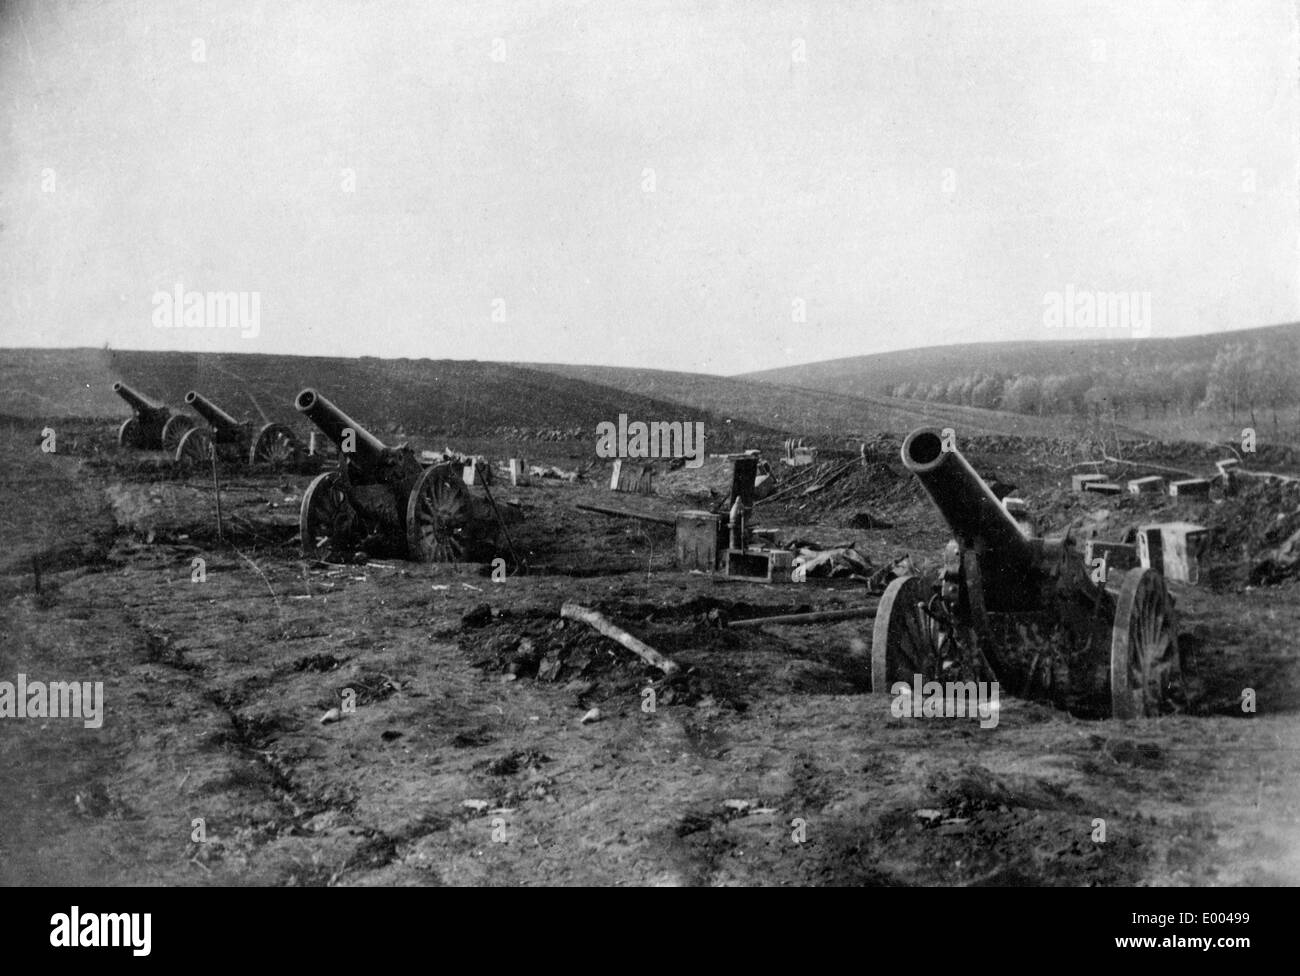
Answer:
[(1027, 612), (154, 427), (234, 441), (384, 498)]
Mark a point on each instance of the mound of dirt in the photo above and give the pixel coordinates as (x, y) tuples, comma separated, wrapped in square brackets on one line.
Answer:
[(711, 481), (542, 646), (871, 486), (718, 665), (1259, 518)]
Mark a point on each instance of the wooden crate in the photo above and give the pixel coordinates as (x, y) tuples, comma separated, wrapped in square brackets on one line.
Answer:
[(1079, 481), (1190, 488), (1103, 488), (1118, 555), (1152, 484), (1172, 548), (760, 565), (699, 540)]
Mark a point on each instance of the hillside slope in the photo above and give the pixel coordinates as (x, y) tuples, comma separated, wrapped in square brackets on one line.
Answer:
[(877, 374), (829, 414), (465, 397), (387, 396)]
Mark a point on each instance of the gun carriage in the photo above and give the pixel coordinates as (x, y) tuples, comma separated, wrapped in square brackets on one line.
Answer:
[(384, 499), (234, 441), (1027, 612), (154, 427)]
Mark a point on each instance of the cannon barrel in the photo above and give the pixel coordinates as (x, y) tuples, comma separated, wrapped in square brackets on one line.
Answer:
[(332, 421), (1008, 562), (137, 400), (210, 412)]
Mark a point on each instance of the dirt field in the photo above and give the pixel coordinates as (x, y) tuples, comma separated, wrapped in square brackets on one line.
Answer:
[(765, 761)]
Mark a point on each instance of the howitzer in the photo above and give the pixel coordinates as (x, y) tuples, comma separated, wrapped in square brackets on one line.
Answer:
[(383, 499), (154, 427), (1026, 612), (235, 441)]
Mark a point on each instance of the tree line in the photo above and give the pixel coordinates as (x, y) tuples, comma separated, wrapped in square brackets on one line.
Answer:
[(1240, 379)]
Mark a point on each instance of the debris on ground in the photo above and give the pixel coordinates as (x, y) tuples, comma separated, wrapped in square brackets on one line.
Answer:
[(554, 473), (598, 621), (1251, 539), (1278, 564), (842, 562)]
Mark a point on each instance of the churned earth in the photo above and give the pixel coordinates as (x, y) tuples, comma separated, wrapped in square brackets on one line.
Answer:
[(460, 756)]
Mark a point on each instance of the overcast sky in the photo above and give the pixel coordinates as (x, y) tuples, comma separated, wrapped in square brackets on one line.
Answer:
[(642, 183)]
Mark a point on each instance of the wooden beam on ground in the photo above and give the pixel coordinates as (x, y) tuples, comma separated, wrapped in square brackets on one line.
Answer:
[(598, 621), (623, 513), (820, 616)]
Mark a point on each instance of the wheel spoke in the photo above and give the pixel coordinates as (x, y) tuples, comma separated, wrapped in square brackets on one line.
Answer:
[(918, 642)]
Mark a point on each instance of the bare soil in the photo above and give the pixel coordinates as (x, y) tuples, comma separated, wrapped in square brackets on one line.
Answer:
[(766, 760)]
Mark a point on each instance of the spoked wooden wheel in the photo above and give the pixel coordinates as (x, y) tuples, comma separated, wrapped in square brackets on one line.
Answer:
[(327, 519), (176, 428), (276, 445), (128, 435), (1144, 658), (437, 516), (905, 641), (195, 448)]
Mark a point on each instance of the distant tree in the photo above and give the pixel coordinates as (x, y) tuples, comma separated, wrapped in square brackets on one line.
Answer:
[(1104, 399), (1160, 387), (1119, 395), (1024, 394), (1276, 380), (1188, 384), (1144, 385), (963, 390), (1231, 383), (1064, 393), (986, 393)]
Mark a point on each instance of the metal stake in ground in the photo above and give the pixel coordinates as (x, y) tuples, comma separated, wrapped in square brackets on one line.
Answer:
[(216, 491), (502, 522)]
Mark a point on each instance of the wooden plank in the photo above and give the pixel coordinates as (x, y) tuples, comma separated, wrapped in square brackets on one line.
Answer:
[(820, 616), (598, 621), (623, 513)]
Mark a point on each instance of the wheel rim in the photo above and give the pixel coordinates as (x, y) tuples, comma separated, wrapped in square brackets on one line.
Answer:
[(905, 639), (174, 431), (128, 435), (1145, 665), (437, 517), (326, 519), (195, 447)]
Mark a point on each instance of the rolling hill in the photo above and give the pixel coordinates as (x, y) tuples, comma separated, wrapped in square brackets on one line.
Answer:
[(826, 413), (880, 373), (400, 397), (388, 396)]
